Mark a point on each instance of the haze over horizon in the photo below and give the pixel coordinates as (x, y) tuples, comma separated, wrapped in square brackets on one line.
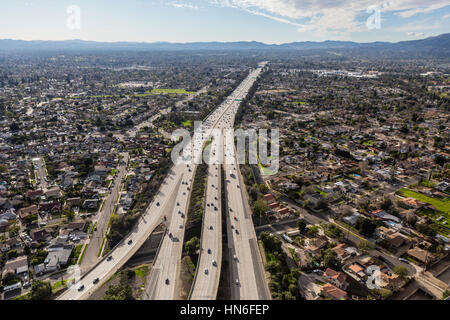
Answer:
[(267, 21)]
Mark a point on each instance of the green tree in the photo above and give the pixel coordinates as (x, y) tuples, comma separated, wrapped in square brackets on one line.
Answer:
[(365, 246), (260, 207), (313, 231), (40, 290), (330, 259), (401, 271), (191, 246), (445, 294)]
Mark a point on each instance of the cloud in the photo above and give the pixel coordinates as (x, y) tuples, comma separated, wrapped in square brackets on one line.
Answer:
[(183, 6), (329, 15), (416, 34)]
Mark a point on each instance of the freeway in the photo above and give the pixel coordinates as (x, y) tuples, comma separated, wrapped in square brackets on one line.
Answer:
[(207, 277), (171, 199), (162, 281), (246, 263), (91, 255)]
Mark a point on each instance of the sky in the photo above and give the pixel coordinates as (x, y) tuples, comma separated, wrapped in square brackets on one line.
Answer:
[(268, 21)]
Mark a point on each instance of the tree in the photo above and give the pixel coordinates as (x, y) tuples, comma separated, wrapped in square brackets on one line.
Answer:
[(365, 246), (445, 294), (330, 259), (365, 226), (119, 292), (301, 225), (260, 207), (401, 271), (40, 290), (192, 246), (313, 231)]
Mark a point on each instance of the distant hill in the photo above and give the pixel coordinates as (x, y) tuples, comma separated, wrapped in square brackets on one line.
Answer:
[(439, 45)]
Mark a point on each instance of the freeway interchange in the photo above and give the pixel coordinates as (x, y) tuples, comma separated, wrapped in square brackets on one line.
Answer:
[(169, 207)]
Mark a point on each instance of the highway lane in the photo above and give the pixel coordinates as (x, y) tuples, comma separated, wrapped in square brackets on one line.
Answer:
[(162, 283), (163, 277), (206, 282), (152, 217), (207, 277)]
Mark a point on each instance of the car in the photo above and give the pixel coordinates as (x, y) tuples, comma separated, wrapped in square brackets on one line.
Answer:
[(81, 288), (109, 258), (130, 241), (209, 251), (403, 260), (206, 271), (214, 263), (167, 281), (96, 280), (319, 272)]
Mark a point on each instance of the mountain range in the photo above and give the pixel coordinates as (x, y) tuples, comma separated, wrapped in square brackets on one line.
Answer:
[(438, 45)]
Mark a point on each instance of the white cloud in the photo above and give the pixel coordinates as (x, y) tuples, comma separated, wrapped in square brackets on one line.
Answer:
[(329, 15), (183, 6)]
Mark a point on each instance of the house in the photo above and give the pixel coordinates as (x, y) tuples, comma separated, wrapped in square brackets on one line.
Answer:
[(390, 281), (332, 292), (395, 240), (341, 251), (413, 203), (91, 204), (357, 270), (18, 266), (25, 212), (316, 244), (76, 226), (269, 198), (34, 194), (336, 278), (421, 255), (73, 202), (39, 235), (58, 256), (54, 192)]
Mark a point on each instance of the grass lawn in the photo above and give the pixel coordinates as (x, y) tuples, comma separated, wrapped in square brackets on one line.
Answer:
[(82, 254), (76, 254), (175, 91), (440, 204), (57, 285), (141, 272), (187, 123)]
